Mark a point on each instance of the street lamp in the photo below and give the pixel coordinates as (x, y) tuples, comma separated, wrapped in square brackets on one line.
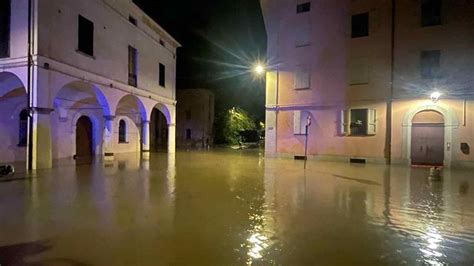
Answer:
[(259, 69), (435, 96)]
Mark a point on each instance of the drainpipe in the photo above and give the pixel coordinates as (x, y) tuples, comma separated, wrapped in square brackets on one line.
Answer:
[(388, 138), (29, 159)]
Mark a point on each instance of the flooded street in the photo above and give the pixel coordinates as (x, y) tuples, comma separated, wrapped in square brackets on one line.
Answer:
[(236, 208)]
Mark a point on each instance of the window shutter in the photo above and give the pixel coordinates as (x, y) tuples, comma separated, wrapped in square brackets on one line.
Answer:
[(302, 79), (371, 121), (297, 122), (345, 122)]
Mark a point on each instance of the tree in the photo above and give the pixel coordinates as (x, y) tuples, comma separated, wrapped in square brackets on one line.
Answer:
[(230, 123)]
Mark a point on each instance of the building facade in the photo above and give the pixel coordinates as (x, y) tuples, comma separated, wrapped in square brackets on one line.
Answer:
[(99, 71), (383, 81), (195, 118)]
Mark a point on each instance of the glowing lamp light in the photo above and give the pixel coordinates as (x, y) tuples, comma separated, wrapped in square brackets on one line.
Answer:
[(259, 69), (435, 96)]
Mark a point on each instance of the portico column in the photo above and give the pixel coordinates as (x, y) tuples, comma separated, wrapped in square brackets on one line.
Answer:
[(42, 155), (145, 139), (171, 138), (145, 136), (108, 138)]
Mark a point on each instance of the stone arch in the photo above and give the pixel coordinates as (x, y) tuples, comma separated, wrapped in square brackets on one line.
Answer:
[(13, 99), (74, 100), (451, 123), (165, 111), (131, 106)]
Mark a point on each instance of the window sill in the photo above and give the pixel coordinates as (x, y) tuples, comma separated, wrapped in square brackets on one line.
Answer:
[(85, 54), (302, 45), (126, 142), (359, 84), (302, 89), (360, 37)]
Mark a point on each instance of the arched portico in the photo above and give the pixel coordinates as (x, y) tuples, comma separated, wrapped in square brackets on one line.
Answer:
[(74, 100), (450, 125), (13, 105), (162, 127), (132, 118)]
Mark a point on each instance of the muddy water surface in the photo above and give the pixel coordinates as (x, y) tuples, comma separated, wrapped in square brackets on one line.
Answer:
[(236, 208)]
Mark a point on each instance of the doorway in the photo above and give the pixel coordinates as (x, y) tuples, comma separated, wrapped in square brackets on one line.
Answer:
[(84, 143), (427, 139)]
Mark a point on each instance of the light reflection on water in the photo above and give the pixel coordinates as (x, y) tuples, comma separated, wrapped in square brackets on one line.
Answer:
[(227, 208)]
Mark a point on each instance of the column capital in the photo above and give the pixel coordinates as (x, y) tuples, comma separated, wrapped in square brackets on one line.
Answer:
[(172, 125), (109, 117), (42, 110)]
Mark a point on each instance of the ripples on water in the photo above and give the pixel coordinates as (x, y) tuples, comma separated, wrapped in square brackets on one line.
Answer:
[(228, 208)]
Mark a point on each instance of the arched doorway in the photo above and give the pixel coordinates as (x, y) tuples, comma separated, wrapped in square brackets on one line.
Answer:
[(158, 131), (84, 141), (427, 138)]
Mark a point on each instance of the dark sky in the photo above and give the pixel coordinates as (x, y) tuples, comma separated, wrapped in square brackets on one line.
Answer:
[(221, 40)]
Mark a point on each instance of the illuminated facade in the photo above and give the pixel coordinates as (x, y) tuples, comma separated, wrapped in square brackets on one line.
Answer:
[(102, 72), (365, 72)]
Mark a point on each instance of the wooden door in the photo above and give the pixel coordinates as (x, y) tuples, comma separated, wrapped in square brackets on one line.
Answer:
[(427, 144), (84, 138)]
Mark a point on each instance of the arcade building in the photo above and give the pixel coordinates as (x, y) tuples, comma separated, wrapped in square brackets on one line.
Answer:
[(83, 79)]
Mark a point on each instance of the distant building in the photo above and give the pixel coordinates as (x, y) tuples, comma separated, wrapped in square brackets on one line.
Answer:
[(376, 91), (102, 80), (195, 118)]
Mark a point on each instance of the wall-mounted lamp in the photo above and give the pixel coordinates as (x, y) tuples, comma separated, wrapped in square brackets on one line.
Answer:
[(435, 96)]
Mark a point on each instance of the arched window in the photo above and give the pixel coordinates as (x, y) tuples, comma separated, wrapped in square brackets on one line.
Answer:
[(23, 128), (122, 131)]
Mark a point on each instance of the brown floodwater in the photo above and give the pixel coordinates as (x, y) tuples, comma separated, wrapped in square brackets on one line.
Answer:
[(236, 208)]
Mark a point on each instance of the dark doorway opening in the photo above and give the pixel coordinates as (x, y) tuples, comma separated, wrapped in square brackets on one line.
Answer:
[(84, 140), (158, 131)]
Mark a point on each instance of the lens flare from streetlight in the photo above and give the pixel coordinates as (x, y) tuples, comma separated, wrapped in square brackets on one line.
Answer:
[(435, 96), (259, 69)]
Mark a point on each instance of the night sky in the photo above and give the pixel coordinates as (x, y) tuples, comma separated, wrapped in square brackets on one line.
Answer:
[(221, 40)]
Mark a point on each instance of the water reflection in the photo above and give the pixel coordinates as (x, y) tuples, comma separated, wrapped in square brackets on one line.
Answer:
[(227, 208)]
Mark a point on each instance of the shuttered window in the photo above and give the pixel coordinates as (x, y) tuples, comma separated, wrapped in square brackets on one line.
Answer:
[(132, 66), (358, 122), (302, 79), (300, 120)]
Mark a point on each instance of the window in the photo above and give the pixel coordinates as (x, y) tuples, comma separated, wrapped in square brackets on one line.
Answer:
[(360, 25), (23, 128), (86, 36), (162, 75), (132, 66), (304, 7), (122, 131), (5, 10), (132, 20), (358, 122), (300, 120), (302, 79), (188, 133), (188, 115), (430, 13), (302, 35), (430, 62)]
